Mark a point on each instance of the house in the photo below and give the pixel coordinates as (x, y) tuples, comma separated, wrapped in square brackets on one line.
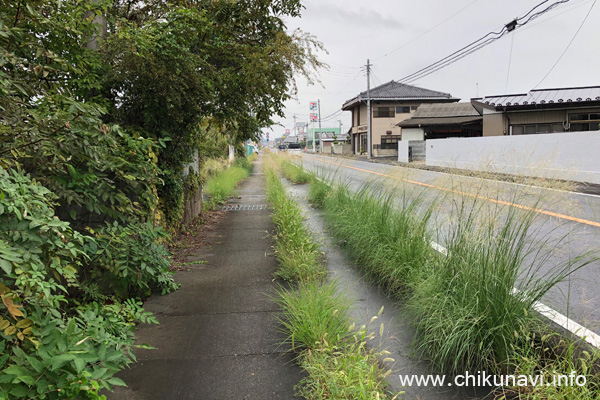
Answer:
[(442, 120), (541, 111), (391, 103)]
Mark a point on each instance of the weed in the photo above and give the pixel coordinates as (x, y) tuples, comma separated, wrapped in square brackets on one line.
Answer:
[(295, 173), (345, 373), (299, 257), (222, 185), (314, 315), (467, 314)]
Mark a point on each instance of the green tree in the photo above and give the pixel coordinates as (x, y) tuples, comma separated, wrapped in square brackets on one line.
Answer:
[(220, 65)]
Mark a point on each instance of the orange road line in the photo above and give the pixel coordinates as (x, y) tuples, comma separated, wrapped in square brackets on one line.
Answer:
[(506, 203)]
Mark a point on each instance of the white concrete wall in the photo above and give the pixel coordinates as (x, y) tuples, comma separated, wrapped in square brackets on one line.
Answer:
[(403, 151), (573, 156), (412, 134)]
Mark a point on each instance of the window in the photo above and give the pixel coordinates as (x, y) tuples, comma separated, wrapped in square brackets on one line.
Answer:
[(532, 129), (390, 141), (584, 122), (544, 128), (383, 112), (518, 130), (402, 109)]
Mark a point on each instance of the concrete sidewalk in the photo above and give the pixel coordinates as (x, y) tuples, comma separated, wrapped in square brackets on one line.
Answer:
[(218, 336)]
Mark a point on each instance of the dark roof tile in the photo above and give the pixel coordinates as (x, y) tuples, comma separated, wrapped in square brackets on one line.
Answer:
[(401, 91)]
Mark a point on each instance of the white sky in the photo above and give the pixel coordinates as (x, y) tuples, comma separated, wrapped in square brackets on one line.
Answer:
[(393, 35)]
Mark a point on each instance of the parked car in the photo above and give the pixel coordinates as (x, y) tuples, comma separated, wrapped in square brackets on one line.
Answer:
[(282, 147), (294, 148)]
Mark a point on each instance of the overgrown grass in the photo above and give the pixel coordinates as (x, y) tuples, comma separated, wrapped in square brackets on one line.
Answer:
[(221, 184), (346, 372), (391, 244), (298, 256), (295, 173), (466, 311), (314, 314)]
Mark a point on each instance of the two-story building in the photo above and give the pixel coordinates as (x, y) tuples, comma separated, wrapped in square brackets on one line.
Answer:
[(391, 103)]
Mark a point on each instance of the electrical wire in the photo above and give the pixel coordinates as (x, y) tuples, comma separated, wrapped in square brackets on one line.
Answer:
[(427, 31), (512, 42), (575, 5), (479, 43), (375, 77), (530, 11), (568, 45), (539, 13)]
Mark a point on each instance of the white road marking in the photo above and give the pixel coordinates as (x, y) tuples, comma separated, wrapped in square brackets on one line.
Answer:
[(553, 315)]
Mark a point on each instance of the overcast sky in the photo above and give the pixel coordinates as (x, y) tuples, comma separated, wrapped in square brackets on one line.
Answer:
[(400, 37)]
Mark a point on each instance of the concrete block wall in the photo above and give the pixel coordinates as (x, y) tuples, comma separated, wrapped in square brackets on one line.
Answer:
[(417, 150), (570, 155)]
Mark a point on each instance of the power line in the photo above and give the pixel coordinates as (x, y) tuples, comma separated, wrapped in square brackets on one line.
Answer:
[(427, 31), (512, 42), (375, 78), (530, 11), (575, 4), (479, 43), (568, 45)]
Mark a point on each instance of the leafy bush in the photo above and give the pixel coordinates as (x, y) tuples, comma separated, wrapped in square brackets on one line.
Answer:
[(130, 261), (70, 357), (53, 343)]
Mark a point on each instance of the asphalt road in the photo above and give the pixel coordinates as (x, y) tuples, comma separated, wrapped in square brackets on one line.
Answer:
[(567, 223)]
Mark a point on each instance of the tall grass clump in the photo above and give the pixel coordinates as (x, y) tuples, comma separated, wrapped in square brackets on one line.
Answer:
[(467, 311), (222, 185), (474, 307), (315, 314), (299, 257), (345, 372), (547, 355), (295, 173), (385, 233), (318, 191)]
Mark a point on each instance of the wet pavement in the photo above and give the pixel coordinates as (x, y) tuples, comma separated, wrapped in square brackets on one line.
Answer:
[(218, 337)]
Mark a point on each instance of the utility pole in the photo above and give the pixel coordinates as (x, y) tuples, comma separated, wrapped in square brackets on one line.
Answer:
[(340, 122), (313, 141), (320, 131), (368, 110), (295, 129)]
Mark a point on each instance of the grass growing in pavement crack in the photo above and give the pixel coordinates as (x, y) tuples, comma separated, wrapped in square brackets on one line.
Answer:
[(467, 315), (314, 314)]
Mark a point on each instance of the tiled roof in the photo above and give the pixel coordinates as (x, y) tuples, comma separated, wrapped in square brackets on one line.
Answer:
[(442, 114), (415, 122), (543, 96), (438, 110), (400, 91)]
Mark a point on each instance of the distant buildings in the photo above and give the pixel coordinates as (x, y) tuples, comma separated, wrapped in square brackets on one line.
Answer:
[(402, 112), (391, 103)]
